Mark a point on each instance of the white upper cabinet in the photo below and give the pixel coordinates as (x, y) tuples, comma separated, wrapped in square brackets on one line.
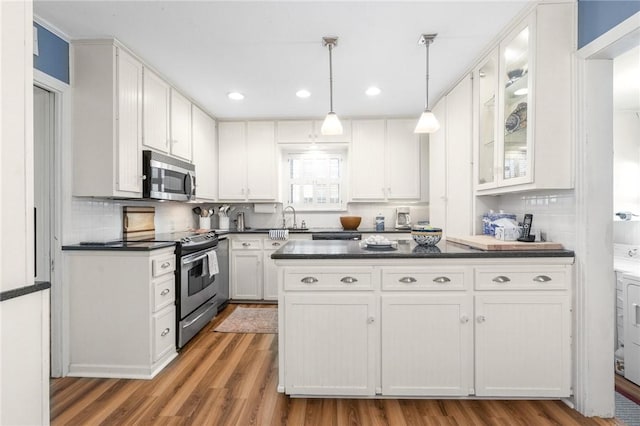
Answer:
[(156, 101), (247, 161), (205, 155), (385, 160), (450, 153), (180, 126), (523, 135), (107, 121), (308, 131)]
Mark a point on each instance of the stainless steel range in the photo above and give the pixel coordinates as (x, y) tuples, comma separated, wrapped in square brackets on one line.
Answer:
[(202, 280)]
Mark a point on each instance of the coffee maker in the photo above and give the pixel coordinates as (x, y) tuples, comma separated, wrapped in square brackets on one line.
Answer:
[(403, 218)]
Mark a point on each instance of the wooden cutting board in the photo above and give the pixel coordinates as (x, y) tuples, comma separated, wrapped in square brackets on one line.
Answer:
[(487, 242)]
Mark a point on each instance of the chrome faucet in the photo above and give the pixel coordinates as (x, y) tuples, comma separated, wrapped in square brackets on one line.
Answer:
[(284, 220)]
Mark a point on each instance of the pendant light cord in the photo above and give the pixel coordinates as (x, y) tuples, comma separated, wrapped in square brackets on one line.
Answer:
[(330, 79), (426, 98)]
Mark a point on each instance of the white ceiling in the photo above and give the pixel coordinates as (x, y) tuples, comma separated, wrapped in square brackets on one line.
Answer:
[(270, 49)]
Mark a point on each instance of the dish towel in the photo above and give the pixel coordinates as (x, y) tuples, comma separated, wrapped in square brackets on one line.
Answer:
[(279, 234), (212, 262)]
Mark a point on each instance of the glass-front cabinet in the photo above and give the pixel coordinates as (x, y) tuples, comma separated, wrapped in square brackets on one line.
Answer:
[(486, 77), (503, 103), (515, 85), (523, 112)]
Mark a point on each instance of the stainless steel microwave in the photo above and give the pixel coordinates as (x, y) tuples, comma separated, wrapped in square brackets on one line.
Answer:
[(166, 178)]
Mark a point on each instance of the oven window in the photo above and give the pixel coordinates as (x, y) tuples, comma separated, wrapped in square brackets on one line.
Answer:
[(163, 180), (199, 278)]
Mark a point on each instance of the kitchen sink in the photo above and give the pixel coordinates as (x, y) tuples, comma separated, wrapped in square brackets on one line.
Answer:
[(269, 229)]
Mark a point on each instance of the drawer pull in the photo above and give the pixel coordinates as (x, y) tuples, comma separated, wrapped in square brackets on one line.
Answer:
[(349, 280), (464, 319), (481, 319), (407, 280), (246, 244), (164, 292), (441, 280), (165, 265), (165, 332), (501, 279), (309, 280), (542, 279), (636, 312), (275, 244)]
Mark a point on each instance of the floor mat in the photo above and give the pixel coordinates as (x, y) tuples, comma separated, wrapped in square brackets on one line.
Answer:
[(627, 410), (250, 320)]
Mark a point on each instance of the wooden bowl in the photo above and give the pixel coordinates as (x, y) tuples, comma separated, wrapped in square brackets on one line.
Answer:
[(350, 223)]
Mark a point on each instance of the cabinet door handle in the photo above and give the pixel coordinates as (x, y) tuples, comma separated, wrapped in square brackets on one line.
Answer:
[(246, 244), (441, 280), (636, 311), (407, 280), (164, 292), (143, 177), (501, 279), (165, 332), (542, 279), (349, 280), (309, 280), (370, 320), (481, 319), (464, 319), (165, 265)]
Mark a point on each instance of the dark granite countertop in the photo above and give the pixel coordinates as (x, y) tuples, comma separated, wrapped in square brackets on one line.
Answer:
[(305, 249), (120, 245)]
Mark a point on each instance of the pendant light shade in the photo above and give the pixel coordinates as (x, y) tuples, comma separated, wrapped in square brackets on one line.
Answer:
[(428, 122), (331, 124)]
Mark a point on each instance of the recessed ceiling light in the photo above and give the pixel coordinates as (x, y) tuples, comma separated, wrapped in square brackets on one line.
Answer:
[(236, 96), (373, 91), (521, 92), (303, 93)]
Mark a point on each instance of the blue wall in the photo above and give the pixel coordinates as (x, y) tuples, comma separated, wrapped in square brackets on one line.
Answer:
[(53, 57), (596, 17)]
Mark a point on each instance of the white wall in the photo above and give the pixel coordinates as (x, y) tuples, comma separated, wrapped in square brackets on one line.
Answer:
[(24, 320), (626, 175)]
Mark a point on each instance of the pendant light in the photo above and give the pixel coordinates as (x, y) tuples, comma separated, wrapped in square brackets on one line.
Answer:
[(331, 124), (428, 122)]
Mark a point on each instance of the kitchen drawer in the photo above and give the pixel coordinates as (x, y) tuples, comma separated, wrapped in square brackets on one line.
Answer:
[(163, 292), (273, 244), (163, 265), (522, 278), (164, 332), (425, 279), (248, 244), (336, 279)]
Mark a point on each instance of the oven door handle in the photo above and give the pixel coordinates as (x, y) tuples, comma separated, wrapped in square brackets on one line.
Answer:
[(194, 258), (210, 306)]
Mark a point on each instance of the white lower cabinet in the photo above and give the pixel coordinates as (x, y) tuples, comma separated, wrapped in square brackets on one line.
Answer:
[(331, 344), (460, 328), (427, 345), (246, 268), (123, 318), (270, 273)]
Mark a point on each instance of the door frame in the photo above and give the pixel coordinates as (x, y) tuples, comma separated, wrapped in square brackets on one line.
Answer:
[(61, 215), (594, 317)]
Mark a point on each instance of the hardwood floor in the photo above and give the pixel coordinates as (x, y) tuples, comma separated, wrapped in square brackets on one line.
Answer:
[(230, 379)]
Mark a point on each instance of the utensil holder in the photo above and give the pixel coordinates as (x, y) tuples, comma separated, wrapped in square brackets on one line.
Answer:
[(224, 222), (205, 222)]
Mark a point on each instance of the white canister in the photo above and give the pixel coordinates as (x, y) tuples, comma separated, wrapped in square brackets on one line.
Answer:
[(205, 222), (224, 222)]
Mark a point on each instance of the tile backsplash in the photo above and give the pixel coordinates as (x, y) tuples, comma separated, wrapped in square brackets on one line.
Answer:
[(101, 219), (554, 213)]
